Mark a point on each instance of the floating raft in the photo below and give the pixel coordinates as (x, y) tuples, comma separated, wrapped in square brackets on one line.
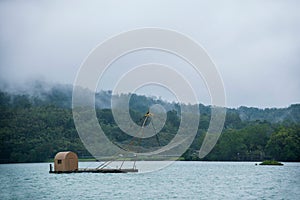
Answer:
[(106, 170), (67, 162)]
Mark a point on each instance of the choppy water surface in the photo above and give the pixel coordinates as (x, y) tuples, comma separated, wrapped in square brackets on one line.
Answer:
[(181, 180)]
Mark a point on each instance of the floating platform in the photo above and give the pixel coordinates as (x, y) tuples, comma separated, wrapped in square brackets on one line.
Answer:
[(67, 162), (106, 170)]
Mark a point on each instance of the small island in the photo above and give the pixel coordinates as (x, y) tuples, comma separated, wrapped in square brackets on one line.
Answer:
[(271, 162)]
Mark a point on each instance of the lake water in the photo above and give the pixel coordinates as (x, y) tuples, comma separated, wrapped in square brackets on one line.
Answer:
[(181, 180)]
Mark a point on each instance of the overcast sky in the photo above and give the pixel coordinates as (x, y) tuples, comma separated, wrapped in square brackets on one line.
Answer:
[(254, 44)]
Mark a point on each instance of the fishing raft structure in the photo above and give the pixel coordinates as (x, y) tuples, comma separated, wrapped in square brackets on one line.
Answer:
[(67, 162)]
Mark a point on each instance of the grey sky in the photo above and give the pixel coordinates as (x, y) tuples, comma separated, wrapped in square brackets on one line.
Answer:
[(255, 44)]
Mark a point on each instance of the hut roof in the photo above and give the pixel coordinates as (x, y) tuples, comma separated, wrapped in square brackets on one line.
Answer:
[(63, 155)]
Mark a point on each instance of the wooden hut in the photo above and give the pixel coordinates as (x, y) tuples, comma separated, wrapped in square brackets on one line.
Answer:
[(66, 162)]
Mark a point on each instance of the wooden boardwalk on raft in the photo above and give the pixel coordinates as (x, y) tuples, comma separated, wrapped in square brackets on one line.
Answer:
[(106, 170), (67, 162)]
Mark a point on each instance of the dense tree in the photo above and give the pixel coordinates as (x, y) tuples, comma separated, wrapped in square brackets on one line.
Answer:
[(35, 128), (285, 144)]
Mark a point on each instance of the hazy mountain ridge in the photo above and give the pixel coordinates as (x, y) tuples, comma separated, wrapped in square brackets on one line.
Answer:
[(273, 115), (37, 124), (41, 93)]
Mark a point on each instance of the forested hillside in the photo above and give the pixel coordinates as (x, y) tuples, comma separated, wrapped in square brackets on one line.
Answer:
[(34, 126)]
